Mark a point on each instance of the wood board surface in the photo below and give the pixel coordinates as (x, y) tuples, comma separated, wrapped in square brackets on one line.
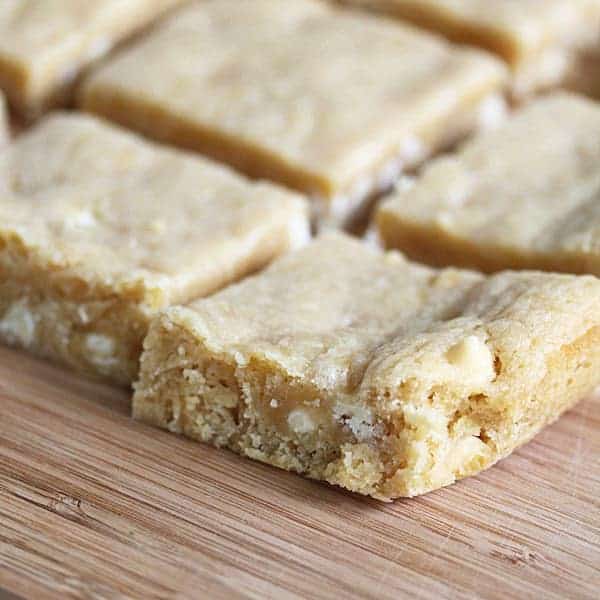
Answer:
[(94, 505)]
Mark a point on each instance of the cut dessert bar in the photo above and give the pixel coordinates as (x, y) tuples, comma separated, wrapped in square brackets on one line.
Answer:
[(44, 44), (524, 196), (100, 229), (540, 39), (325, 101), (367, 371)]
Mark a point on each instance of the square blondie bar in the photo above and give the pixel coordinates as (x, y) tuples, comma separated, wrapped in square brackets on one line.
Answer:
[(100, 229), (524, 196), (542, 40), (44, 44), (370, 372), (325, 101)]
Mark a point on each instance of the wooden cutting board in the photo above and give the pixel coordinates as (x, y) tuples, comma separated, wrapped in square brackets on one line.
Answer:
[(93, 505)]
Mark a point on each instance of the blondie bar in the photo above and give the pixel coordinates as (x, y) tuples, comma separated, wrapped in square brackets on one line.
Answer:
[(44, 44), (524, 196), (540, 39), (325, 101), (364, 370), (100, 229)]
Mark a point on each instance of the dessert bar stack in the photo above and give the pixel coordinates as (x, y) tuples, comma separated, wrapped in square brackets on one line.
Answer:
[(156, 231)]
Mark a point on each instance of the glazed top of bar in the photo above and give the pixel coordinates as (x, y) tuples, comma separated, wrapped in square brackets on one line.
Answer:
[(323, 89), (515, 29), (44, 41), (341, 316), (82, 196), (532, 185)]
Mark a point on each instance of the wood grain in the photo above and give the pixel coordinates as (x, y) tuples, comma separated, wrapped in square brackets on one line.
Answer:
[(93, 505)]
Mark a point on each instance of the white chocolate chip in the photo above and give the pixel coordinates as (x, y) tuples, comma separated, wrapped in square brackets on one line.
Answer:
[(83, 315), (427, 422), (464, 452), (493, 110), (300, 422), (101, 345), (79, 219), (473, 358), (157, 226), (356, 418), (18, 325), (412, 150), (101, 349), (274, 403)]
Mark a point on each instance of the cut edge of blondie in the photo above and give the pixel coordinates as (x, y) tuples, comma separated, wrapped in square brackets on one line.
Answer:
[(256, 410), (56, 312)]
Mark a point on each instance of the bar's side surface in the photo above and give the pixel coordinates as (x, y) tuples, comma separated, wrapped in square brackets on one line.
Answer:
[(58, 311), (388, 445)]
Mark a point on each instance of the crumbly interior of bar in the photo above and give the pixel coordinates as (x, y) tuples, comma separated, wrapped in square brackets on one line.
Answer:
[(261, 413), (432, 397)]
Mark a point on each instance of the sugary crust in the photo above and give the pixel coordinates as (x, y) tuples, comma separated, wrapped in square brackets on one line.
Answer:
[(382, 376), (385, 93), (539, 40), (44, 45), (90, 247), (523, 196)]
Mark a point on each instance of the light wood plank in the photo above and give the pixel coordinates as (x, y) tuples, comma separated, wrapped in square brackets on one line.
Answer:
[(95, 505)]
